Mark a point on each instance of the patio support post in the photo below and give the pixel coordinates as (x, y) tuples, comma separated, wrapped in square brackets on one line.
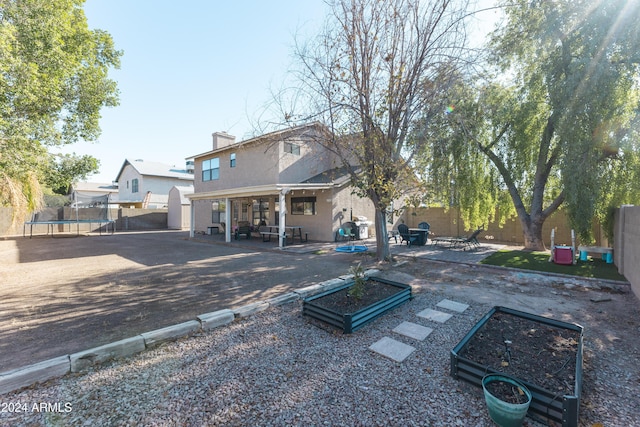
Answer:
[(283, 214), (193, 219), (227, 220)]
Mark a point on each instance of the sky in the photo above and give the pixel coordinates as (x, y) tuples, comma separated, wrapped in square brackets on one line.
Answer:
[(190, 69)]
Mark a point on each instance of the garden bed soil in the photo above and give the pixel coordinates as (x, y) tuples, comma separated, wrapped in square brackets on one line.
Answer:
[(341, 309), (536, 353), (341, 302)]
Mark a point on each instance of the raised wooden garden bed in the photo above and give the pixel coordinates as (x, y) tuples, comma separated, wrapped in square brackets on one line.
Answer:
[(347, 313), (544, 354)]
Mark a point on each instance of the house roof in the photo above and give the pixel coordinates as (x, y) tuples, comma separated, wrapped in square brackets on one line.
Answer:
[(146, 168), (267, 137), (337, 176), (183, 191), (95, 187)]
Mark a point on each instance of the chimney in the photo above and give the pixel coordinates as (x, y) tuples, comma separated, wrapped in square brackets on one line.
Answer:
[(222, 139)]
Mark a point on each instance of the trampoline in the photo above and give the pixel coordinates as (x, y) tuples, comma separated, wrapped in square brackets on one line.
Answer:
[(75, 209)]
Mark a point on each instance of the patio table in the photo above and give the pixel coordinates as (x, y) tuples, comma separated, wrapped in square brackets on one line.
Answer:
[(422, 233), (295, 231)]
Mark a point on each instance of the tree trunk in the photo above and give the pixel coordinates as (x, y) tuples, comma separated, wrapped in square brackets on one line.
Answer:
[(532, 232), (383, 253)]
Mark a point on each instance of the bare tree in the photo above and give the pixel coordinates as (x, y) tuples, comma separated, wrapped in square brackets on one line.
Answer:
[(373, 69)]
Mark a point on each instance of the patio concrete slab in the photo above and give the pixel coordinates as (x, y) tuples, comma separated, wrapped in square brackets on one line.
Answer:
[(448, 304), (413, 330), (394, 350), (434, 315)]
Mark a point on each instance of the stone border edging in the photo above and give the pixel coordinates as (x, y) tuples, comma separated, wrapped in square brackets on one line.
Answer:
[(78, 362)]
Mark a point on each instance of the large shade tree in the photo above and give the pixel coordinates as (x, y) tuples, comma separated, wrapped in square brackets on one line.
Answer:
[(53, 83), (67, 169), (555, 126), (367, 76)]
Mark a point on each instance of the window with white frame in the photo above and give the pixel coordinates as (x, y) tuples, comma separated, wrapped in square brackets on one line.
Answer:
[(303, 206), (260, 211), (290, 147), (218, 209), (232, 160), (210, 169), (134, 185)]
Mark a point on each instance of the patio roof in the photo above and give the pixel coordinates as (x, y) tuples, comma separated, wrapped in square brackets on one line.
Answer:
[(260, 190)]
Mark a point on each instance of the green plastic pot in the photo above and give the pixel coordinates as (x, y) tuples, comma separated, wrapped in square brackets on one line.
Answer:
[(503, 413)]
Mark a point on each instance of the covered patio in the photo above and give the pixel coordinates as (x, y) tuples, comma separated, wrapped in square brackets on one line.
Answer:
[(267, 205)]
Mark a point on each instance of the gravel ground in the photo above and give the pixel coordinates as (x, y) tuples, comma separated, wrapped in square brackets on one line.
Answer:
[(278, 368)]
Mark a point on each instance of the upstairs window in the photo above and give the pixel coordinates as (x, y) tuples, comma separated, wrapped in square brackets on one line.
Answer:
[(232, 160), (290, 147), (210, 169), (134, 185)]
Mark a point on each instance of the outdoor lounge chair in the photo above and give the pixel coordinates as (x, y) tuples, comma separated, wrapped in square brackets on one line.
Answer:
[(469, 242), (406, 235)]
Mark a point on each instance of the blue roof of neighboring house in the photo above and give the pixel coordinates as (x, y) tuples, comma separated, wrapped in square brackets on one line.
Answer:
[(156, 169)]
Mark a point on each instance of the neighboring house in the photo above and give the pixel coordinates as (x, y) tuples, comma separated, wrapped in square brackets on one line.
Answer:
[(179, 215), (284, 178), (143, 184)]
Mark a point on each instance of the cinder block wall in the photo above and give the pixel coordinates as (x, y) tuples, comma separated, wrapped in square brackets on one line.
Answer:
[(626, 251), (448, 223), (126, 219), (141, 219)]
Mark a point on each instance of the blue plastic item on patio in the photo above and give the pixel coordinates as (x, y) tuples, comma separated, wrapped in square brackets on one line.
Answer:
[(351, 249)]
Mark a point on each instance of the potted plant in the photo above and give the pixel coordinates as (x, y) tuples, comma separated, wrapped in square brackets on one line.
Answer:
[(507, 399)]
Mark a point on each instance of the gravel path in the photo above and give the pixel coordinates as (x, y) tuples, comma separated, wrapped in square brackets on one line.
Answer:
[(278, 368)]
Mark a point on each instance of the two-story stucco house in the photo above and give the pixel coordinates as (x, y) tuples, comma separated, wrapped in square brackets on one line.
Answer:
[(144, 184), (284, 178)]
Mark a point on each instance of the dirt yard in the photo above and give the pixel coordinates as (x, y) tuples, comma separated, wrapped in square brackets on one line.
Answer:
[(66, 294)]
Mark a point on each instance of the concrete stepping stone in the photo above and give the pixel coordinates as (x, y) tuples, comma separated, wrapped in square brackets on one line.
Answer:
[(394, 350), (435, 315), (413, 330), (458, 307)]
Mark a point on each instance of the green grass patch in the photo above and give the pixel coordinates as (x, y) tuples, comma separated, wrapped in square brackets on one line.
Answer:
[(539, 261)]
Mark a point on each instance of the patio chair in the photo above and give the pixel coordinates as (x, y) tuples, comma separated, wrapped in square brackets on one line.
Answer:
[(346, 233), (244, 229), (424, 235), (406, 235)]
